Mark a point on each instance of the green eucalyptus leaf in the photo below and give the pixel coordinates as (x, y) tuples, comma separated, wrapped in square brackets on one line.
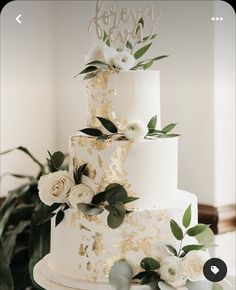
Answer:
[(120, 275), (206, 237), (217, 286), (168, 128), (111, 209), (106, 39), (152, 123), (160, 57), (140, 21), (92, 131), (88, 69), (59, 217), (148, 64), (196, 230), (140, 52), (176, 230), (99, 197), (171, 250), (58, 159), (114, 221), (151, 278), (102, 137), (97, 62), (129, 45), (149, 38), (115, 192), (149, 264), (91, 75), (187, 217), (168, 135), (107, 124), (189, 248), (129, 199), (89, 208), (139, 276)]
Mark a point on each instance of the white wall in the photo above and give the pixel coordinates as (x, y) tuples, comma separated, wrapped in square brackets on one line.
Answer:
[(196, 84), (27, 86)]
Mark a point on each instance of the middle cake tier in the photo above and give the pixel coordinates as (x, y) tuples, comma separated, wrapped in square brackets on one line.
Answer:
[(147, 169)]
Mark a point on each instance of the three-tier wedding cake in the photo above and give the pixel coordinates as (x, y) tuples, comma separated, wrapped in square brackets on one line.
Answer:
[(118, 211)]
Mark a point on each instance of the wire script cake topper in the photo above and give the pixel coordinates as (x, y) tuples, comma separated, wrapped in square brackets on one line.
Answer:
[(120, 25)]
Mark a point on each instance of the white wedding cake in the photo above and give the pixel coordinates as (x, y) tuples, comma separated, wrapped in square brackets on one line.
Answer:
[(120, 202)]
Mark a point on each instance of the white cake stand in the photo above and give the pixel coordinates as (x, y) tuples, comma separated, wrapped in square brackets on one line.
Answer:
[(45, 277)]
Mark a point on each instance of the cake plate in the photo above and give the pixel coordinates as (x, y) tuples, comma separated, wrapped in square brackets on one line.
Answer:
[(45, 277)]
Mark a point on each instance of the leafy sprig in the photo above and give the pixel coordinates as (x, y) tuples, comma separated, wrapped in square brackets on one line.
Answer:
[(113, 130), (163, 133), (95, 67), (112, 199)]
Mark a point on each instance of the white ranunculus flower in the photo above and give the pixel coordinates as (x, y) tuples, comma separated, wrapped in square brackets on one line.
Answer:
[(123, 60), (80, 193), (193, 264), (171, 271), (54, 187), (135, 131), (101, 52)]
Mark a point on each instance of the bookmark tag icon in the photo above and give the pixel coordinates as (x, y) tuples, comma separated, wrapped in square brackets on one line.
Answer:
[(214, 270)]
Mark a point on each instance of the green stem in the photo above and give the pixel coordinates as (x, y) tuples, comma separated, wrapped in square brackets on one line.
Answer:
[(180, 247)]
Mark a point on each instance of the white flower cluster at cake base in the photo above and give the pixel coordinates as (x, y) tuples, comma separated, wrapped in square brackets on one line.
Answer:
[(176, 271), (59, 187)]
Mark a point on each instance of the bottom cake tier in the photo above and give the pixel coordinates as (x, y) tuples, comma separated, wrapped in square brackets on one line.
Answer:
[(83, 248)]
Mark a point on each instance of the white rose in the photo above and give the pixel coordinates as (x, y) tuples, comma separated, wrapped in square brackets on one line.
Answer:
[(193, 264), (54, 187), (123, 60), (80, 193), (135, 131), (171, 271), (101, 52)]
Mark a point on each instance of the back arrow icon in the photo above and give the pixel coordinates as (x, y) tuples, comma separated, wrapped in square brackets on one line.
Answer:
[(18, 18)]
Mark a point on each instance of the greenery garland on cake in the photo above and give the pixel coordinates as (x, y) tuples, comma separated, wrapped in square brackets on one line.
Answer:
[(60, 191), (181, 266), (102, 57), (134, 131)]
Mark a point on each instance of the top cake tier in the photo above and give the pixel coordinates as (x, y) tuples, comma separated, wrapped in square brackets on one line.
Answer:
[(124, 96)]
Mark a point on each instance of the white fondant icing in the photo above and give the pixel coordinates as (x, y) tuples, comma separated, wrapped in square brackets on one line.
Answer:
[(147, 169), (132, 95), (86, 249)]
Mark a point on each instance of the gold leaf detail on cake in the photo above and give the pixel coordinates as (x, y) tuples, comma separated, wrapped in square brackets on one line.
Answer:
[(128, 243), (94, 219), (100, 162), (82, 227), (83, 250), (97, 245), (89, 266), (145, 245), (115, 171), (100, 145), (162, 215)]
